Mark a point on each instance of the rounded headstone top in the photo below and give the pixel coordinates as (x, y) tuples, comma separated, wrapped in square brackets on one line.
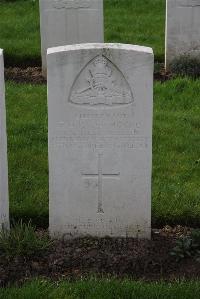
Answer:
[(88, 46)]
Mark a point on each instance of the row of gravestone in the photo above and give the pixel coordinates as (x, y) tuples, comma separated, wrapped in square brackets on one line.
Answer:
[(65, 22), (100, 99)]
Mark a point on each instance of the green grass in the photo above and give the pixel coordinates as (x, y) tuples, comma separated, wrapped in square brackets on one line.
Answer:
[(27, 148), (23, 240), (103, 289), (19, 32), (137, 22), (176, 155), (140, 22)]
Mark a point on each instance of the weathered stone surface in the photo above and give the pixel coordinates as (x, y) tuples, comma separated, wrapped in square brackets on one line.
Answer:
[(4, 209), (182, 29), (100, 140), (65, 22)]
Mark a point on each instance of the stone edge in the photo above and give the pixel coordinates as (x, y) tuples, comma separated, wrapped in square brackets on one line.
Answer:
[(89, 46)]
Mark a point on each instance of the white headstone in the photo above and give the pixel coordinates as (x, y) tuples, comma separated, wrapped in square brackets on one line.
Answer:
[(66, 22), (4, 209), (182, 29), (100, 140)]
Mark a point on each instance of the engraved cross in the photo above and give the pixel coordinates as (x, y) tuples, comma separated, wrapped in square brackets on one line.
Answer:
[(100, 176)]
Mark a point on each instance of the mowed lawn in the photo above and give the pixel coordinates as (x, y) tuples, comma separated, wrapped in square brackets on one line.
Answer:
[(176, 152), (103, 289), (128, 21)]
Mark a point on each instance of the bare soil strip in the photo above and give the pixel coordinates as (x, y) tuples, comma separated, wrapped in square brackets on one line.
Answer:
[(148, 260)]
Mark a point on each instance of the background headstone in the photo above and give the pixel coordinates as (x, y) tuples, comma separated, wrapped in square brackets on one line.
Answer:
[(65, 22), (4, 209), (100, 140), (182, 29)]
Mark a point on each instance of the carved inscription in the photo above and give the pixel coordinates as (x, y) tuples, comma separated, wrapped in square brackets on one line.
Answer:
[(99, 225), (107, 129), (101, 83), (103, 123), (98, 143), (59, 4), (100, 175)]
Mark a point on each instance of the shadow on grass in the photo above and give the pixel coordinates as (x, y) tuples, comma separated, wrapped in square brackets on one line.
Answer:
[(22, 62)]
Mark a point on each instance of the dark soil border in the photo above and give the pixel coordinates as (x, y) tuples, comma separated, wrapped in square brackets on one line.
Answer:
[(33, 75), (147, 260)]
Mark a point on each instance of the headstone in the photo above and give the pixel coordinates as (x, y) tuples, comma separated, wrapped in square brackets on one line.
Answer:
[(4, 209), (65, 22), (182, 29), (100, 140)]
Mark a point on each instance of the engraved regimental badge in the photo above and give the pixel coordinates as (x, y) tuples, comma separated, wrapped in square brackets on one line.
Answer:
[(100, 83)]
